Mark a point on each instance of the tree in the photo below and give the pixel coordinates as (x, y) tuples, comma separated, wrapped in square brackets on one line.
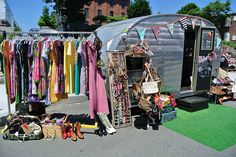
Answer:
[(47, 19), (108, 19), (17, 29), (229, 43), (138, 8), (217, 12), (190, 9), (69, 12)]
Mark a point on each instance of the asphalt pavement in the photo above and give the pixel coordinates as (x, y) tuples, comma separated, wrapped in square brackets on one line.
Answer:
[(128, 141)]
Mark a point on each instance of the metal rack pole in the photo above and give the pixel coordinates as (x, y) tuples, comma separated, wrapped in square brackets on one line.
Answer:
[(66, 32)]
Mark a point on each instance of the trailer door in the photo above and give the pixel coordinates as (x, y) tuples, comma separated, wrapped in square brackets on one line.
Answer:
[(204, 65)]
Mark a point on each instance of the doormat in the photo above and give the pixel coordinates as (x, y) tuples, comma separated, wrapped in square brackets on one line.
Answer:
[(214, 127)]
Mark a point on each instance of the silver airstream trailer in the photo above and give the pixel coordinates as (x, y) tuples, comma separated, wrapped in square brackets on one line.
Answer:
[(181, 53)]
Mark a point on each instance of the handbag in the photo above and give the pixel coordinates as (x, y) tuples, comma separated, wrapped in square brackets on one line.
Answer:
[(149, 87), (144, 104)]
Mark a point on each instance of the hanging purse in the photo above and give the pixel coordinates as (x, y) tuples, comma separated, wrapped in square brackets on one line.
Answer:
[(149, 87), (144, 104)]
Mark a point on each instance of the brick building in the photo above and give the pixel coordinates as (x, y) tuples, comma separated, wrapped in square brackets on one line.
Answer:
[(229, 30), (106, 8)]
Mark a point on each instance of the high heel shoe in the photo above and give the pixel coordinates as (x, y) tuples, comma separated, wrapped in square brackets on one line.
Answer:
[(79, 134)]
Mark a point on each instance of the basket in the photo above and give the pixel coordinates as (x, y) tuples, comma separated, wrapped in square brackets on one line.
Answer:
[(52, 131), (144, 104)]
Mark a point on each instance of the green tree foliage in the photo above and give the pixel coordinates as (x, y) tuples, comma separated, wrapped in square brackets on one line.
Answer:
[(108, 19), (71, 11), (229, 43), (47, 19), (190, 9), (17, 29), (139, 8), (217, 12), (100, 19)]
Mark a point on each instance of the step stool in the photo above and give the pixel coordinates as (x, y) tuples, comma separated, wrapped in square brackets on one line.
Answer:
[(193, 103)]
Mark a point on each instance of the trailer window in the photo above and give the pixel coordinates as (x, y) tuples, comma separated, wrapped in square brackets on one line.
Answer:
[(134, 63), (207, 39)]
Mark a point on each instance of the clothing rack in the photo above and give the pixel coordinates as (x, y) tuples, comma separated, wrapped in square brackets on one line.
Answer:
[(46, 33)]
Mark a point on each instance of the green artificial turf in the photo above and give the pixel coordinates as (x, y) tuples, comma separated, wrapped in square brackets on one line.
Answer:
[(214, 127)]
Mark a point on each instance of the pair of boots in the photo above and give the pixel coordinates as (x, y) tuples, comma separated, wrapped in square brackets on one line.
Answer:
[(105, 121), (72, 130)]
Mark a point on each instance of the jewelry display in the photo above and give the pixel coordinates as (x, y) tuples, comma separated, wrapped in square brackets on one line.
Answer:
[(119, 93)]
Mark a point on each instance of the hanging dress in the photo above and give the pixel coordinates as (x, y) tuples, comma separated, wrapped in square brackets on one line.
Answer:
[(83, 73), (6, 68), (69, 66), (77, 69), (13, 70), (97, 91), (55, 95), (25, 69)]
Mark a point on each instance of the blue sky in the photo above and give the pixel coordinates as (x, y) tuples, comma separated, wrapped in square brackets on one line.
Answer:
[(27, 12)]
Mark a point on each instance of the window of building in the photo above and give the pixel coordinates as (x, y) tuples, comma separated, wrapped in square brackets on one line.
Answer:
[(99, 2), (99, 12), (111, 3), (122, 14), (86, 12), (123, 4), (111, 13), (227, 36), (233, 37), (228, 22), (234, 18)]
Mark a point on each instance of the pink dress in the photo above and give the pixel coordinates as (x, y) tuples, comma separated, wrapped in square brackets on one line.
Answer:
[(97, 92)]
